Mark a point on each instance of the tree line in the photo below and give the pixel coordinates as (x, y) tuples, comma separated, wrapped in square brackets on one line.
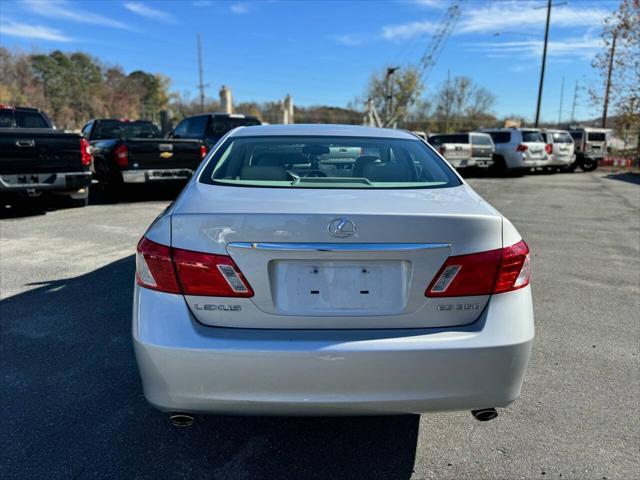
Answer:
[(74, 87)]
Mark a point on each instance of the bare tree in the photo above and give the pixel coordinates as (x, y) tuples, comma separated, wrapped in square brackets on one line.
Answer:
[(618, 66)]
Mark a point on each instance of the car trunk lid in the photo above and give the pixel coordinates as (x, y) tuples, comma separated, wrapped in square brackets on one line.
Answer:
[(311, 265)]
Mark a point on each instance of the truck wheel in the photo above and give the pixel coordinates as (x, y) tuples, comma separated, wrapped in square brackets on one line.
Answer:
[(499, 166), (589, 164), (76, 200)]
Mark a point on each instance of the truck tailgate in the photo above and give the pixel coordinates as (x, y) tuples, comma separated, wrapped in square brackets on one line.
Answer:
[(163, 153), (39, 151)]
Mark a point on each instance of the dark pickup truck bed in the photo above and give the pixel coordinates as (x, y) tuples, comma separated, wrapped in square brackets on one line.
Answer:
[(36, 160), (138, 159)]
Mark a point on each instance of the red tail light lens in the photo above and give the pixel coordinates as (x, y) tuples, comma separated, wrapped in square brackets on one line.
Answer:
[(154, 268), (495, 271), (549, 148), (203, 151), (522, 148), (121, 155), (174, 270), (515, 268), (85, 152), (210, 275)]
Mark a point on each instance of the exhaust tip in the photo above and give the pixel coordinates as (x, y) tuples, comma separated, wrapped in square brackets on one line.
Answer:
[(181, 420), (484, 414)]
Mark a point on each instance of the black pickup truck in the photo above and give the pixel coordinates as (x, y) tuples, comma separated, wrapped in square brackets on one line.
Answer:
[(133, 151), (36, 159)]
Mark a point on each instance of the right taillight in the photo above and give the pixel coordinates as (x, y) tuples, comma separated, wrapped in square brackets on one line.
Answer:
[(175, 270), (484, 273), (522, 148), (121, 155)]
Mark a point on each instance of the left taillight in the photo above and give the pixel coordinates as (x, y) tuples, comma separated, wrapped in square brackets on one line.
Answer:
[(203, 151), (85, 152), (175, 270), (495, 271), (121, 155), (548, 148)]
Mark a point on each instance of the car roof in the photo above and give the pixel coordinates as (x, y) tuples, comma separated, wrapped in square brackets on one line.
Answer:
[(299, 129)]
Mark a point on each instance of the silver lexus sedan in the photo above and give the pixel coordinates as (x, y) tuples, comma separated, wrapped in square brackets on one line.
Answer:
[(327, 269)]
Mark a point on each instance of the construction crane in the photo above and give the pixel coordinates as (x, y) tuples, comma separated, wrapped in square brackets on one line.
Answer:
[(427, 62)]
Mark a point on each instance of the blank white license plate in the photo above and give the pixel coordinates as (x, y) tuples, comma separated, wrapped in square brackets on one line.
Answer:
[(335, 288)]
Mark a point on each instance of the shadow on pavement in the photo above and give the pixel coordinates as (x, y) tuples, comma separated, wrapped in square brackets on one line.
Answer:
[(625, 177), (73, 405)]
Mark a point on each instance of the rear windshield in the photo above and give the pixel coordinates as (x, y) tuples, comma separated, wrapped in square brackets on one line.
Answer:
[(561, 137), (596, 136), (221, 125), (327, 162), (17, 119), (500, 137), (532, 136), (481, 140), (456, 138), (106, 129)]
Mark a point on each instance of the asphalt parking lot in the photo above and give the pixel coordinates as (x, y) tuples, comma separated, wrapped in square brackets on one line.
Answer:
[(73, 405)]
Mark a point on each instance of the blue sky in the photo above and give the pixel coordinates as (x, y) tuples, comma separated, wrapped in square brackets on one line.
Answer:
[(323, 52)]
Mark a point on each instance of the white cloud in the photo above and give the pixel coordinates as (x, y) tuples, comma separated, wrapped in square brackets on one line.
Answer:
[(63, 10), (583, 47), (526, 16), (428, 3), (239, 8), (24, 30), (406, 31), (148, 12), (504, 15)]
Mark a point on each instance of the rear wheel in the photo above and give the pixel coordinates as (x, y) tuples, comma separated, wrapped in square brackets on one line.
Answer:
[(499, 166), (588, 164)]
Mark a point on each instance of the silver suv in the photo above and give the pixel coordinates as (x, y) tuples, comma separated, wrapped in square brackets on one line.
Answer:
[(518, 148)]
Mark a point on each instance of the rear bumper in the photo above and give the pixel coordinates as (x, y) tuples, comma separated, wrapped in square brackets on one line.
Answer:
[(483, 162), (462, 163), (156, 175), (44, 181), (562, 161), (188, 367)]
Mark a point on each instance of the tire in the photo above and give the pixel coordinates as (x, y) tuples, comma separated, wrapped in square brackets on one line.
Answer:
[(499, 166), (76, 200), (588, 164)]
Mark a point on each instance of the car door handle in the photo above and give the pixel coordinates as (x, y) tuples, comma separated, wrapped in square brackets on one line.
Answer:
[(25, 143)]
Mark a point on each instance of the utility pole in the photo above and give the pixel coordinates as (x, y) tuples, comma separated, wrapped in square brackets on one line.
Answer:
[(575, 99), (388, 94), (608, 87), (544, 62), (561, 99), (201, 85)]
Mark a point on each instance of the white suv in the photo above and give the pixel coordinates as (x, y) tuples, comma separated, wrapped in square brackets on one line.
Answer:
[(561, 147), (518, 148)]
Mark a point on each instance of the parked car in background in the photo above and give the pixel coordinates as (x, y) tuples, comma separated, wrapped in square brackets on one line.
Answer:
[(454, 147), (590, 146), (210, 127), (518, 149), (134, 151), (561, 146), (36, 160), (481, 145), (277, 284)]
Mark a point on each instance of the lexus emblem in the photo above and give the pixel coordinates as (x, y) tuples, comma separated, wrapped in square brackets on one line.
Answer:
[(341, 227)]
